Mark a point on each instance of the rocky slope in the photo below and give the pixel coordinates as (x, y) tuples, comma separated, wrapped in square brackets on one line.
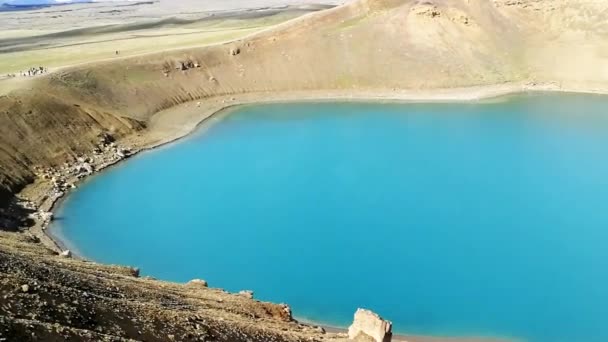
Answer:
[(46, 297)]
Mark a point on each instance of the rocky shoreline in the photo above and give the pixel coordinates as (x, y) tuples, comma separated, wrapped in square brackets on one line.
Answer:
[(53, 184)]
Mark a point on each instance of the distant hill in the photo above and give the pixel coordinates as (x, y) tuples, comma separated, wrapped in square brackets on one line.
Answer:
[(10, 7), (25, 5), (39, 2)]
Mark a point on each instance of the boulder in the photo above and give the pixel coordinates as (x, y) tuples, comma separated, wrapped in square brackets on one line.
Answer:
[(287, 311), (235, 51), (105, 138), (369, 326), (66, 254), (198, 282), (84, 168), (46, 216), (134, 271), (319, 330), (246, 293)]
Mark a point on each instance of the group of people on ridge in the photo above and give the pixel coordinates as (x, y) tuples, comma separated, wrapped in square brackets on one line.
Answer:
[(34, 71)]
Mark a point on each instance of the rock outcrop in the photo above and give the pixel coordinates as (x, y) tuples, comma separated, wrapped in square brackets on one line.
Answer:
[(368, 326), (246, 294), (198, 282), (235, 51)]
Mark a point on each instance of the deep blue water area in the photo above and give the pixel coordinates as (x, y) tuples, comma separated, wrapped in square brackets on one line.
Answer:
[(484, 219)]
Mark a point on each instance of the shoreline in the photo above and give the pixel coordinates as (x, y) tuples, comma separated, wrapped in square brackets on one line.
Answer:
[(397, 337), (179, 122)]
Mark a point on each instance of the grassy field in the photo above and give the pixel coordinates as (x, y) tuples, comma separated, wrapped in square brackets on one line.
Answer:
[(58, 51)]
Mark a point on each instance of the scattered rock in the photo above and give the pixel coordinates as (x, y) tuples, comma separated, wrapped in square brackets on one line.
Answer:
[(369, 325), (185, 65), (198, 282), (427, 9), (85, 168), (320, 330), (105, 138), (246, 294), (134, 272), (46, 216), (287, 310)]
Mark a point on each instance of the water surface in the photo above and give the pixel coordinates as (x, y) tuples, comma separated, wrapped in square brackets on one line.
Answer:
[(486, 219)]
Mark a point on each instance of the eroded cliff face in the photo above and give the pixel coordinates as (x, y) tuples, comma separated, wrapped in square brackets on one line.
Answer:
[(39, 128), (365, 45)]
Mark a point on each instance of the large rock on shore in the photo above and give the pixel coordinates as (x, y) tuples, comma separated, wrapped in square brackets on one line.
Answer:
[(368, 326)]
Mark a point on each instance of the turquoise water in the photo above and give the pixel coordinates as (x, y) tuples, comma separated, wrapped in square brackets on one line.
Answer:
[(485, 219)]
